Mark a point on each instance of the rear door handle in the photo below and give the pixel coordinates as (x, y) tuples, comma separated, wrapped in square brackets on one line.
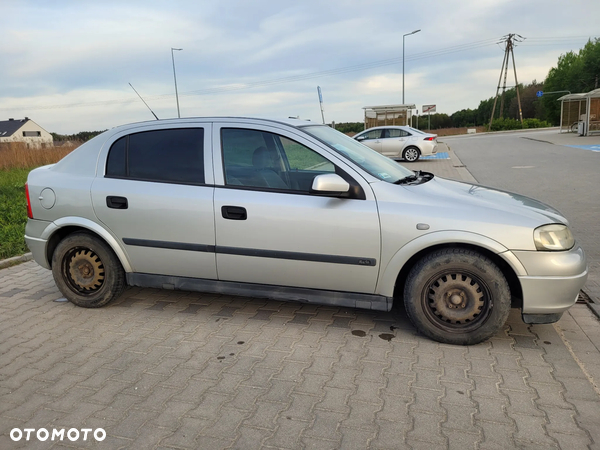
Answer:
[(116, 202), (234, 212)]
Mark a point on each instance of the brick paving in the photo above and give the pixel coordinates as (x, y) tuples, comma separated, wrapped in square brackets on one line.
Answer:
[(164, 369)]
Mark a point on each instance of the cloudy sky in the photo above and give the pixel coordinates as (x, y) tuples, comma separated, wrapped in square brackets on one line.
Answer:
[(68, 64)]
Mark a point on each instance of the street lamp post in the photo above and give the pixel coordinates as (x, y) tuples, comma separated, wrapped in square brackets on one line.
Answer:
[(403, 36), (175, 78)]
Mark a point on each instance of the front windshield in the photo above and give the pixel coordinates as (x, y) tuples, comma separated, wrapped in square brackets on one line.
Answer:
[(369, 160)]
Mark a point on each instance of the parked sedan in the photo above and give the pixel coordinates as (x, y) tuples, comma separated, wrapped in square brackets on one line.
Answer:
[(399, 142), (292, 210)]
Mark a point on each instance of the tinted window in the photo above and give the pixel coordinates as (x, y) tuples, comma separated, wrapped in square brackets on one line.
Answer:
[(116, 165), (162, 155)]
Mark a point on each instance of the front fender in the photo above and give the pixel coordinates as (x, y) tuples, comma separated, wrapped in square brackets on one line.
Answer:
[(94, 227), (387, 280)]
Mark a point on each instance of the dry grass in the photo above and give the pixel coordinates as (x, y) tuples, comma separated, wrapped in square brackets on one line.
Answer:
[(454, 131), (16, 155)]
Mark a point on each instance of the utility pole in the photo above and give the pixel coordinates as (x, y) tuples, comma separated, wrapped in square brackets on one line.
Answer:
[(510, 40)]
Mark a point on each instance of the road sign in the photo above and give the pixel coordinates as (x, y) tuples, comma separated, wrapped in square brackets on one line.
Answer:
[(539, 93), (428, 108)]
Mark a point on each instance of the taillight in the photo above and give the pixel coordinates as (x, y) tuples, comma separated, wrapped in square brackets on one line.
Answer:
[(29, 212), (431, 138)]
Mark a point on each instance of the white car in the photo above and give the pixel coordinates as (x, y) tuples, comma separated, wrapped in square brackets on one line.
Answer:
[(399, 142)]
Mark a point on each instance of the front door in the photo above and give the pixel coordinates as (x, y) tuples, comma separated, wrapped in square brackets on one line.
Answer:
[(271, 230)]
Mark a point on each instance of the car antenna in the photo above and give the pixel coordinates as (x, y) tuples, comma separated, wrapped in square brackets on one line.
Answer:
[(143, 101)]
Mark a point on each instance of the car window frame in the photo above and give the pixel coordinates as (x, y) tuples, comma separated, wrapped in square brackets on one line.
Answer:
[(206, 152), (356, 192)]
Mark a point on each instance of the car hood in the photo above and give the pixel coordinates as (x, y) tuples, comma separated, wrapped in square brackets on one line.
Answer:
[(489, 198), (446, 205)]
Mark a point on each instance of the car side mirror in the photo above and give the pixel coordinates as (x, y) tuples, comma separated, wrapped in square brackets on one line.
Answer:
[(360, 138), (329, 184)]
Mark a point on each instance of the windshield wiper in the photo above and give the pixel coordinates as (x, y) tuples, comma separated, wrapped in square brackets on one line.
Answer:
[(409, 178)]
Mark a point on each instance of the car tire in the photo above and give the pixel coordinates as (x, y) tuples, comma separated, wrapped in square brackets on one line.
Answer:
[(87, 271), (457, 296), (411, 154)]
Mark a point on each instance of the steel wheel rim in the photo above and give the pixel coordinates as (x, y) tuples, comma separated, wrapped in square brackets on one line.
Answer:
[(456, 301), (411, 154), (84, 271)]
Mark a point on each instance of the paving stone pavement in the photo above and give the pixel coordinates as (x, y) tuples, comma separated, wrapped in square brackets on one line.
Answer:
[(162, 369)]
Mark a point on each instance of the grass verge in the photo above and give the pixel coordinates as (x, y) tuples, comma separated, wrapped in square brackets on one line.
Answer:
[(13, 212)]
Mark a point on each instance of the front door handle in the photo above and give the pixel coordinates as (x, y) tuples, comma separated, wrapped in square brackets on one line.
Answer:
[(116, 202), (234, 212)]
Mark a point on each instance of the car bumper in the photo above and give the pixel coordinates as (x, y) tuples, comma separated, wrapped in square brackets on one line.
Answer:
[(553, 281), (36, 244)]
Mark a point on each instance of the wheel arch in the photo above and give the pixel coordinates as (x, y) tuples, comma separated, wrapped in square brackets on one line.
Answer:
[(69, 225), (392, 281)]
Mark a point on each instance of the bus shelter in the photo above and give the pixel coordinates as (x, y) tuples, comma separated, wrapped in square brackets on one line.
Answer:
[(580, 108), (376, 116)]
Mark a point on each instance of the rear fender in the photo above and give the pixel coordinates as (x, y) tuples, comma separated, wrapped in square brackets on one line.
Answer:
[(94, 228)]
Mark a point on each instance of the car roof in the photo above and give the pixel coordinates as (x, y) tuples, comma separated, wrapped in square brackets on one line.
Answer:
[(295, 122)]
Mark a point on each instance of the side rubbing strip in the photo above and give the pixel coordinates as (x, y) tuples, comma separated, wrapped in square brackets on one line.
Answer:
[(295, 256), (171, 245)]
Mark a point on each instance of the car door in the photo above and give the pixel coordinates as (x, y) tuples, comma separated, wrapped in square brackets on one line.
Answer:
[(372, 139), (155, 196), (271, 230), (393, 142)]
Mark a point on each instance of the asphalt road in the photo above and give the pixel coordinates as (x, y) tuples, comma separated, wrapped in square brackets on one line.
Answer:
[(539, 164)]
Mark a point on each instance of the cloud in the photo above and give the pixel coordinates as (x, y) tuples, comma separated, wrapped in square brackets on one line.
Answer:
[(85, 53)]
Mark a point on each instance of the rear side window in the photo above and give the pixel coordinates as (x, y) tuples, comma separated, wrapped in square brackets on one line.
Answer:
[(172, 156)]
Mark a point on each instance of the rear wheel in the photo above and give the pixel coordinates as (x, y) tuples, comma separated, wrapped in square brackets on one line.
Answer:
[(411, 154), (457, 296), (87, 271)]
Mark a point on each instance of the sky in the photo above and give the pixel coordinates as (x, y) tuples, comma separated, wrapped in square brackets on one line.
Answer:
[(67, 65)]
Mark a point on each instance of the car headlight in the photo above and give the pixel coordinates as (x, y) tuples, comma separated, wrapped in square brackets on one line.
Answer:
[(554, 237)]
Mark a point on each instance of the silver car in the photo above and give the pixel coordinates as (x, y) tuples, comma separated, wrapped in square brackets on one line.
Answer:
[(399, 142), (292, 210)]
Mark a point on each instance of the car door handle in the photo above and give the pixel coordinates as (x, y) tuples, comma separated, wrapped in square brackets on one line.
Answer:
[(234, 212), (116, 202)]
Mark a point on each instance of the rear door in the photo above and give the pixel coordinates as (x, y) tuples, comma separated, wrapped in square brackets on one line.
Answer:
[(271, 230), (394, 142), (156, 197)]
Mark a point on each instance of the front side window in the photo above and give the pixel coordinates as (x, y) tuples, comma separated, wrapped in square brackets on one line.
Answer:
[(259, 159), (173, 156), (373, 134)]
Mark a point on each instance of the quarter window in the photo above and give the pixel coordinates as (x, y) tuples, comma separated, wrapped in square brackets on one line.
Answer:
[(173, 156)]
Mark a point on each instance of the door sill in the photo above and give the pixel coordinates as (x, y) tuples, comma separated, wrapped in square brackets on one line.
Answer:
[(303, 295)]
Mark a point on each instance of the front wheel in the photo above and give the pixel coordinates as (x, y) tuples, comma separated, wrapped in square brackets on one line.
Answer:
[(411, 154), (87, 271), (457, 296)]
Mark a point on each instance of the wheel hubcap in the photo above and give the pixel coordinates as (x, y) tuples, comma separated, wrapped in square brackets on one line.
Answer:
[(411, 154), (86, 270), (455, 299)]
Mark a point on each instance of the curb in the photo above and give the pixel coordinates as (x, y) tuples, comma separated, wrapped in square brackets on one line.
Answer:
[(15, 260)]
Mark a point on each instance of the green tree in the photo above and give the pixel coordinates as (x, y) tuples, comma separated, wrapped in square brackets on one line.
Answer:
[(575, 72)]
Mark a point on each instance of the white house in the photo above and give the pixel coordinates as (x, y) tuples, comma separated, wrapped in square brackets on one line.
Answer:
[(24, 130)]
